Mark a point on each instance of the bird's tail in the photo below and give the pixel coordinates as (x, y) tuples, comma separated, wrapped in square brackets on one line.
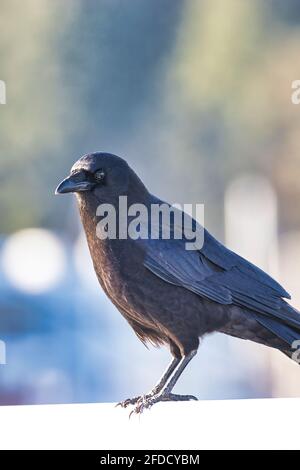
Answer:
[(287, 328)]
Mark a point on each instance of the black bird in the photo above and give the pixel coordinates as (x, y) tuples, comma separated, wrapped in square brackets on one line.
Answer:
[(170, 295)]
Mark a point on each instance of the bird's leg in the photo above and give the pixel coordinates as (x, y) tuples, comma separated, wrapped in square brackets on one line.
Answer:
[(164, 378), (164, 394), (158, 387)]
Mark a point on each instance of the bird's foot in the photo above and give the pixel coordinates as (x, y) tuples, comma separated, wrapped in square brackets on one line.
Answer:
[(131, 401), (147, 401)]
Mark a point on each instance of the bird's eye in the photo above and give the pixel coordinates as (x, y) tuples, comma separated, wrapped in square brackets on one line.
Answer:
[(99, 175)]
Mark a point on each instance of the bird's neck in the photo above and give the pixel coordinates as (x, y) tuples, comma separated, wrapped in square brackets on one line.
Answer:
[(89, 203), (109, 255)]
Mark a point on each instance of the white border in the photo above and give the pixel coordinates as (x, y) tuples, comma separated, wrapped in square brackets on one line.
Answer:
[(240, 424)]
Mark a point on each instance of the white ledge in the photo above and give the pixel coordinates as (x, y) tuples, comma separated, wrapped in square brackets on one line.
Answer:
[(241, 424)]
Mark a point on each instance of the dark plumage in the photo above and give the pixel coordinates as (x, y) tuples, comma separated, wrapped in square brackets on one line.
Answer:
[(170, 295)]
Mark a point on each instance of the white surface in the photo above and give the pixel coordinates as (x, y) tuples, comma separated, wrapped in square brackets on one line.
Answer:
[(247, 424)]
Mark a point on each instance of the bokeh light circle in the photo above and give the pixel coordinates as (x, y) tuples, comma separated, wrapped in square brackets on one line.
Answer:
[(33, 260)]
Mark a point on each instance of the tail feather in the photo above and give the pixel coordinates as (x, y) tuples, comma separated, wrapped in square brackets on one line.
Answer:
[(288, 331), (283, 331)]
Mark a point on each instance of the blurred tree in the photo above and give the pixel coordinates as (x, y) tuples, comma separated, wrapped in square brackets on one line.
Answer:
[(77, 75), (200, 88)]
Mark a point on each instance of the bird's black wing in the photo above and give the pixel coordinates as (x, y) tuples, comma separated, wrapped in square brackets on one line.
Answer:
[(219, 274)]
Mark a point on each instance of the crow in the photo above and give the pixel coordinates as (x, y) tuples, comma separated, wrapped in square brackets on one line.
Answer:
[(170, 295)]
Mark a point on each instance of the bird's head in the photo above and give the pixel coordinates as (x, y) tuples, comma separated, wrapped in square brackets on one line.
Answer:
[(103, 174)]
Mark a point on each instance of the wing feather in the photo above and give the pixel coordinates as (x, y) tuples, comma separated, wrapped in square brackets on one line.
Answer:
[(218, 274)]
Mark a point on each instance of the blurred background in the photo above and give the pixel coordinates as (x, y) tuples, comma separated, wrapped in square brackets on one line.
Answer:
[(196, 95)]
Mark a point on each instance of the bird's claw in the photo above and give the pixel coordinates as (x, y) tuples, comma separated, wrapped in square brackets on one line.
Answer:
[(135, 400), (147, 401), (129, 401)]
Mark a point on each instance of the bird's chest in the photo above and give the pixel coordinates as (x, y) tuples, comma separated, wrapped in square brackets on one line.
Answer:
[(121, 273)]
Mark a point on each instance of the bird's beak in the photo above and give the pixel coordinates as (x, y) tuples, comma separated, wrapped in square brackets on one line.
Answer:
[(74, 185)]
